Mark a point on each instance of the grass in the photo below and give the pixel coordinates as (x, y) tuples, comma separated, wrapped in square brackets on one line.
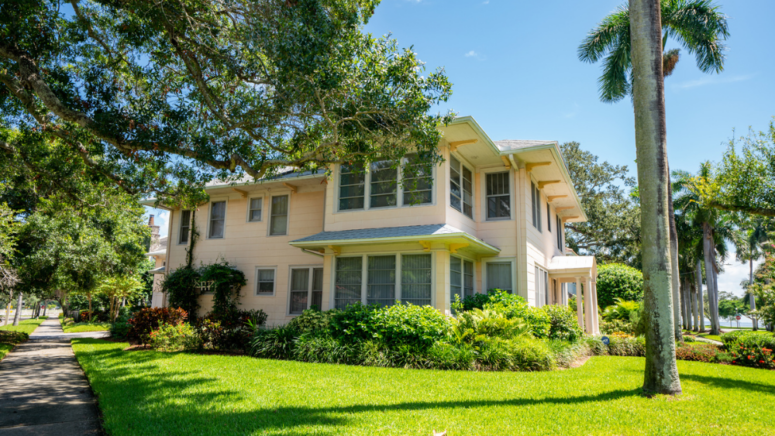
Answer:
[(152, 393), (87, 327), (10, 335), (718, 337), (26, 326)]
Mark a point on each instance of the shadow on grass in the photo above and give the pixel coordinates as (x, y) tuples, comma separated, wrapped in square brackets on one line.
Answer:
[(130, 397)]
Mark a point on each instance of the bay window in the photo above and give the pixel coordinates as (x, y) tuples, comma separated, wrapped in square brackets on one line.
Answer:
[(381, 186)]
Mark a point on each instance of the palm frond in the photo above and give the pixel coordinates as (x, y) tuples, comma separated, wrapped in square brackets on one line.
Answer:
[(605, 36), (614, 83), (700, 28)]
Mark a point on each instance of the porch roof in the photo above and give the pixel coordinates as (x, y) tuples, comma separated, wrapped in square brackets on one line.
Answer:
[(573, 266), (432, 232)]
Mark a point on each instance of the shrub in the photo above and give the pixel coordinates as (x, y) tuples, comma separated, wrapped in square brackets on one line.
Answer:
[(562, 323), (312, 320), (120, 328), (530, 355), (275, 343), (442, 355), (752, 349), (514, 306), (622, 310), (174, 337), (616, 325), (477, 326), (689, 339), (729, 338), (226, 282), (144, 321), (322, 348), (352, 324), (618, 281), (181, 288), (230, 330), (565, 353), (619, 345), (407, 324), (697, 352), (470, 302)]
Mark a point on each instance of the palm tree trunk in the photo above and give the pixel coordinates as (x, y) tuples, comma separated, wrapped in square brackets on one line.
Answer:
[(707, 241), (676, 276), (688, 310), (648, 95), (8, 307), (752, 297), (45, 307), (18, 314), (700, 310), (715, 297)]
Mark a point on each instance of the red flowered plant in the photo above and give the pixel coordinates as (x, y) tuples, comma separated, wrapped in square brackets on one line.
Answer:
[(144, 321)]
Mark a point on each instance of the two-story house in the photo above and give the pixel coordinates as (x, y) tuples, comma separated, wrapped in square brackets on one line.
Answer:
[(490, 216)]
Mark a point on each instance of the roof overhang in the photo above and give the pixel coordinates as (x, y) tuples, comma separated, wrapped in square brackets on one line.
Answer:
[(159, 270), (573, 266)]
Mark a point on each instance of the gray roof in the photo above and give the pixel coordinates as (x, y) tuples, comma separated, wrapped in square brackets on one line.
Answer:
[(159, 248), (518, 144), (247, 178), (384, 232)]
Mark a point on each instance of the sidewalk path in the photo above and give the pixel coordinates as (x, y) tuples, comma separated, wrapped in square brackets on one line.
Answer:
[(43, 390)]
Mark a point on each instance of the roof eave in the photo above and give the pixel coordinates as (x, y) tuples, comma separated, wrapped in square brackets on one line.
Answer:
[(484, 247)]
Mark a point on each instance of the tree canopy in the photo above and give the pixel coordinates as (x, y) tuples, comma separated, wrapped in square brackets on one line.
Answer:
[(612, 231), (162, 97)]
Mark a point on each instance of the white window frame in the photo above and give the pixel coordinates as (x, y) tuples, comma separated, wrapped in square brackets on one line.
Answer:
[(559, 232), (367, 191), (483, 193), (540, 280), (287, 217), (512, 260), (311, 269), (247, 218), (365, 274), (210, 214), (548, 217), (536, 206), (274, 284), (463, 259), (463, 164), (180, 227)]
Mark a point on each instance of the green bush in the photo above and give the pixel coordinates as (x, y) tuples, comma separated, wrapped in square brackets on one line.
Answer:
[(120, 328), (531, 355), (622, 310), (565, 353), (408, 324), (174, 337), (616, 326), (477, 326), (443, 355), (751, 349), (312, 320), (619, 345), (353, 324), (563, 323), (729, 338), (618, 281), (321, 348), (470, 302), (698, 352), (275, 343), (514, 306)]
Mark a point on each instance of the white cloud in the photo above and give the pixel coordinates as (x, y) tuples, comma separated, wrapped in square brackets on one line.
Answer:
[(713, 80), (471, 54)]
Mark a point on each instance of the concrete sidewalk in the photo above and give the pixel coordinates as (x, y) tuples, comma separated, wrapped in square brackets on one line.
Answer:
[(43, 390)]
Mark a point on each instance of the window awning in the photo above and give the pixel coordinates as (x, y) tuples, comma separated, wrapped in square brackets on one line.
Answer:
[(389, 235), (159, 270), (573, 266)]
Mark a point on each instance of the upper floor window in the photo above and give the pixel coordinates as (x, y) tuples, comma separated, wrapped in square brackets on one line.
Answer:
[(498, 196), (185, 226), (536, 206), (254, 209), (278, 224), (217, 219), (559, 232), (460, 187), (548, 218), (381, 186)]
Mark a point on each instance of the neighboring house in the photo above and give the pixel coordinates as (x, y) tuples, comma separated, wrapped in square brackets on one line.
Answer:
[(490, 216), (158, 252)]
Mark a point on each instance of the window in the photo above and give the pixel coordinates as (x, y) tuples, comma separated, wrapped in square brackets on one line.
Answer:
[(254, 209), (185, 226), (499, 276), (461, 278), (460, 187), (306, 289), (279, 218), (384, 183), (217, 219), (541, 287), (559, 232), (381, 285), (416, 280), (498, 196), (548, 218), (380, 185), (536, 195), (265, 281), (347, 285), (352, 187)]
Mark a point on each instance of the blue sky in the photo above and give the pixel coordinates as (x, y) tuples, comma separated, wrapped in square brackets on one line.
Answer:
[(514, 68)]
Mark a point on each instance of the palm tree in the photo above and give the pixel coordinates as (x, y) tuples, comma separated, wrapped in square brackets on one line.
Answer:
[(661, 373), (699, 27), (755, 236)]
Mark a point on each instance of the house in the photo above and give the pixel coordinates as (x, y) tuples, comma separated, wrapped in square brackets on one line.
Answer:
[(490, 216), (157, 251)]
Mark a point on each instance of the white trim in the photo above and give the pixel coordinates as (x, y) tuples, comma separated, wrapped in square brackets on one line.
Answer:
[(274, 283), (483, 192), (258, 197), (210, 214), (512, 260), (177, 239), (287, 216)]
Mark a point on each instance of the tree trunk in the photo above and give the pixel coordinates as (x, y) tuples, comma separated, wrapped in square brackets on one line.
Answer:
[(8, 307), (700, 303), (752, 297), (707, 246), (715, 296), (676, 276), (648, 95), (45, 308), (18, 315), (89, 296), (689, 305)]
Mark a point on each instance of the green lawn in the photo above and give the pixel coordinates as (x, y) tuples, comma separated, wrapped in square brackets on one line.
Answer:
[(150, 393), (5, 349), (87, 327), (26, 326)]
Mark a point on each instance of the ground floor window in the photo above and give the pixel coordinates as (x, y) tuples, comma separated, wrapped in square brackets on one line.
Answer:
[(541, 286), (387, 279), (499, 276), (306, 289), (461, 278)]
